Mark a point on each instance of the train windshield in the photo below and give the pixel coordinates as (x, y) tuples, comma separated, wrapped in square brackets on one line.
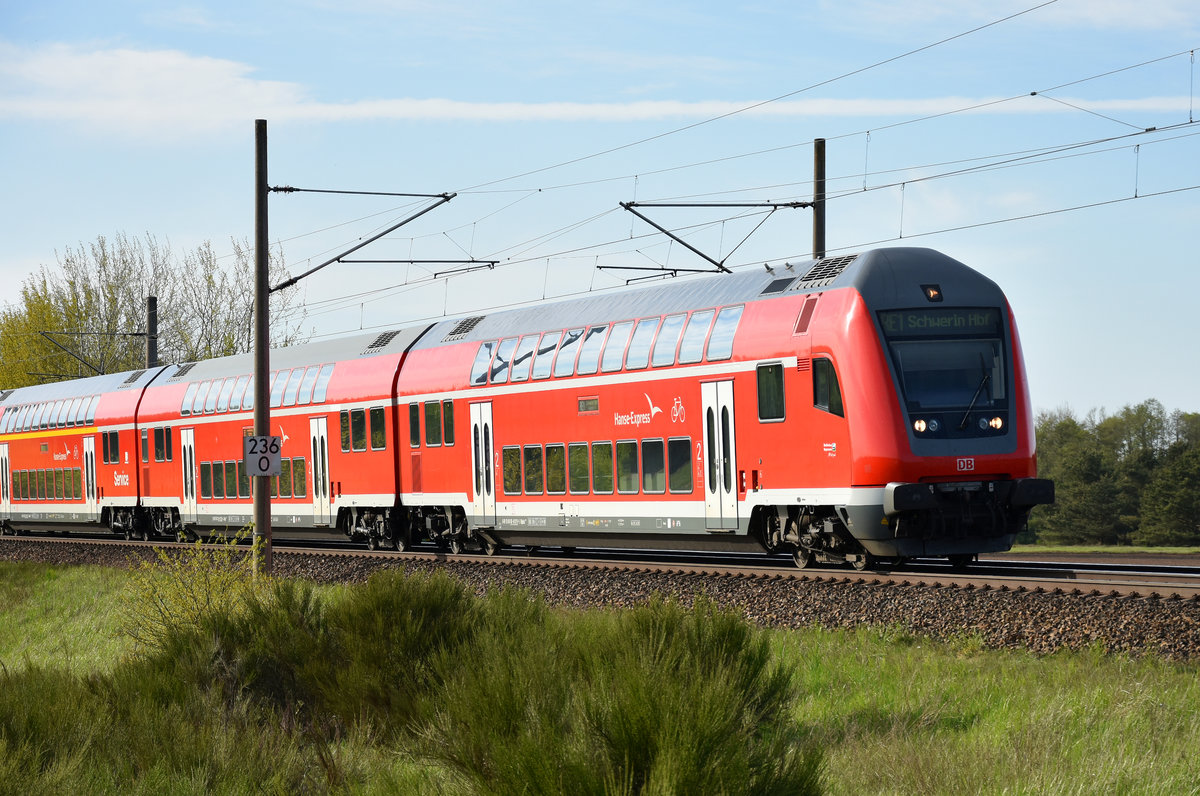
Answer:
[(948, 358)]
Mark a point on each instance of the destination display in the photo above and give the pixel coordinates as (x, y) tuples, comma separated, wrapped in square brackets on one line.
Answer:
[(950, 322)]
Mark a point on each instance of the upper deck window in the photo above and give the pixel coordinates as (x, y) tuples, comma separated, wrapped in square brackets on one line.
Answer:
[(667, 341), (638, 355), (523, 358), (322, 385), (720, 342), (589, 353), (483, 358), (692, 348), (614, 349), (564, 363), (503, 361), (544, 360)]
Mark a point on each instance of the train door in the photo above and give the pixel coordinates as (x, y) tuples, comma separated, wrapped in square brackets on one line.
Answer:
[(320, 470), (5, 481), (484, 504), (720, 486), (91, 503), (187, 441)]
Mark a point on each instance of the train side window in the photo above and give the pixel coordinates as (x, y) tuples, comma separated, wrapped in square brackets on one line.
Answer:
[(378, 430), (654, 467), (344, 424), (691, 350), (277, 387), (564, 363), (433, 423), (104, 456), (65, 414), (243, 479), (321, 389), (239, 393), (292, 390), (205, 480), (189, 397), (231, 479), (533, 469), (679, 464), (638, 355), (577, 468), (358, 429), (667, 341), (226, 393), (556, 469), (218, 479), (414, 425), (145, 445), (91, 412), (214, 392), (448, 422), (720, 342), (627, 467), (58, 416), (602, 468), (114, 446), (614, 347), (167, 446), (307, 384), (73, 413), (502, 360), (59, 488), (25, 484), (299, 477), (160, 445), (589, 352), (544, 360), (771, 406), (198, 398), (827, 394), (512, 470), (523, 358), (479, 368), (285, 478)]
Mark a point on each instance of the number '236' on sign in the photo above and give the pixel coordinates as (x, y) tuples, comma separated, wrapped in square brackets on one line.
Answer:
[(261, 455)]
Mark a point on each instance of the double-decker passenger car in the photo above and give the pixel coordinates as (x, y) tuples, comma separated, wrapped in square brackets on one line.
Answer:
[(865, 406)]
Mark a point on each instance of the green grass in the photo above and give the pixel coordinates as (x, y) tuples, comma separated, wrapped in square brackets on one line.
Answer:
[(416, 686), (1031, 549)]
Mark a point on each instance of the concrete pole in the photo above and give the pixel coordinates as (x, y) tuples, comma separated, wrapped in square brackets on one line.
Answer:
[(262, 347)]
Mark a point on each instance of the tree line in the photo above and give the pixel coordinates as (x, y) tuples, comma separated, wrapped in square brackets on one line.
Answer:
[(1128, 478), (87, 315)]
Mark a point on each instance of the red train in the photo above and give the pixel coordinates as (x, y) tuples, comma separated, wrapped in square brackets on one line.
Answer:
[(851, 408)]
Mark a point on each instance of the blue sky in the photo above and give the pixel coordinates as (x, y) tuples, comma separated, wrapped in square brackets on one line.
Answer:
[(138, 117)]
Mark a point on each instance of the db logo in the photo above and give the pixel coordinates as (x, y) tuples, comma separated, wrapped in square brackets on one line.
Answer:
[(966, 465)]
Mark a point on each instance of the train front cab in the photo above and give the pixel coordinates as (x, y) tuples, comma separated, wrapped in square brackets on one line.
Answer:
[(961, 442)]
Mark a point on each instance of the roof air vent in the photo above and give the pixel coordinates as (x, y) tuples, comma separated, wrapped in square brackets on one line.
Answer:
[(183, 370), (381, 341), (825, 271), (133, 377), (462, 329)]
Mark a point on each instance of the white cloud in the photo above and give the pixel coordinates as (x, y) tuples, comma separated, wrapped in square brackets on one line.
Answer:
[(145, 93)]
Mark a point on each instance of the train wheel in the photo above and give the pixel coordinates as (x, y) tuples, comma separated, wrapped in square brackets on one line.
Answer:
[(372, 541), (802, 557), (864, 561), (489, 547), (398, 542), (456, 545)]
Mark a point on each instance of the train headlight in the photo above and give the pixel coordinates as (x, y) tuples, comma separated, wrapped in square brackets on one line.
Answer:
[(921, 426), (996, 422)]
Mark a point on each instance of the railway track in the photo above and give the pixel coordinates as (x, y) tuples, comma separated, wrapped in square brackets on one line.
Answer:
[(1083, 578)]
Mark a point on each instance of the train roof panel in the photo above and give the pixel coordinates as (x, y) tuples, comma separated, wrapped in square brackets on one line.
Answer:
[(358, 346), (91, 385)]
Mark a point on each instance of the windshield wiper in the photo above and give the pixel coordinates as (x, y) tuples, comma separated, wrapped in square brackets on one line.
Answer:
[(975, 398)]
